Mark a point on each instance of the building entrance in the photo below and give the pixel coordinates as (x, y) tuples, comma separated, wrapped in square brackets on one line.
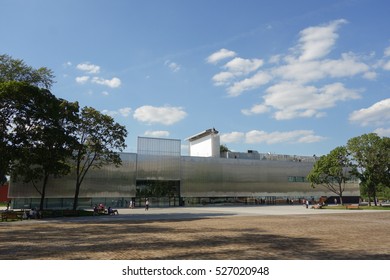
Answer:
[(160, 193)]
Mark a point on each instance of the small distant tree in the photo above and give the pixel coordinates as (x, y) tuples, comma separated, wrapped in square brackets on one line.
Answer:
[(99, 141), (332, 171), (223, 149)]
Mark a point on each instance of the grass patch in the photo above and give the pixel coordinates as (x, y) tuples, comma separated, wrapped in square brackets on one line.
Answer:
[(342, 207)]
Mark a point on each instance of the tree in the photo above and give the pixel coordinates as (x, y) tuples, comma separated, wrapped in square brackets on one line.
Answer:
[(223, 149), (371, 155), (99, 140), (332, 171), (39, 133), (16, 70)]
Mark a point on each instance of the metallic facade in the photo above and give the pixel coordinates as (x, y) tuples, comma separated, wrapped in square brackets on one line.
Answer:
[(159, 171)]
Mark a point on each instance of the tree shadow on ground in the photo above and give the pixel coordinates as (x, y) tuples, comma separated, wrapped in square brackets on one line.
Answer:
[(162, 239)]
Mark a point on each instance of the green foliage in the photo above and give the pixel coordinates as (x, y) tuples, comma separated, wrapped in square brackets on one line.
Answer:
[(223, 149), (332, 171), (37, 138), (16, 70), (99, 140), (371, 155)]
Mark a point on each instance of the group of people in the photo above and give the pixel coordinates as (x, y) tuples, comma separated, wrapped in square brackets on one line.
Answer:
[(33, 213), (101, 209)]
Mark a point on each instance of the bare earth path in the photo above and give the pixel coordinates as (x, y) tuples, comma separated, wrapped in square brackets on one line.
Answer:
[(211, 233)]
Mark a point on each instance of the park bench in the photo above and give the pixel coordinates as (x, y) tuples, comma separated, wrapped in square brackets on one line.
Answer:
[(11, 215), (352, 206)]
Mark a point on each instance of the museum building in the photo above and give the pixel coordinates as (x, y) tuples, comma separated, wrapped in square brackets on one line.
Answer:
[(160, 173)]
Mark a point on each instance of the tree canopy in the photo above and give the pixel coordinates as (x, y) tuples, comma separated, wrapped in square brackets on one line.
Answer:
[(41, 134), (17, 70), (371, 155), (99, 139), (332, 171)]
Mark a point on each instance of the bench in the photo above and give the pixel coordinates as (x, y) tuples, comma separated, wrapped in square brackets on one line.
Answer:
[(11, 215), (352, 206)]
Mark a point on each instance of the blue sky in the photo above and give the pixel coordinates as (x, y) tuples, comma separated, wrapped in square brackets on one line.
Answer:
[(286, 77)]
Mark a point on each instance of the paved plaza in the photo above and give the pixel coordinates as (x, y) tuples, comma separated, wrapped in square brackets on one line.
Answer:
[(250, 232)]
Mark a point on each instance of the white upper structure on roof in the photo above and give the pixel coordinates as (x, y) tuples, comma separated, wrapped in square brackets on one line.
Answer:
[(205, 144)]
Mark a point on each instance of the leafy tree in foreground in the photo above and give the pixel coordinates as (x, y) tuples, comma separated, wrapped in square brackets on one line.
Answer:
[(332, 171), (15, 70), (371, 155), (99, 138), (39, 131)]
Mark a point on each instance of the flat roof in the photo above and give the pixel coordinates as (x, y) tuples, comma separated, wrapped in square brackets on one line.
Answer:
[(202, 134)]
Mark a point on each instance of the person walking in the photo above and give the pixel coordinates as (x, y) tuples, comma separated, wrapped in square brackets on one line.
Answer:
[(147, 204)]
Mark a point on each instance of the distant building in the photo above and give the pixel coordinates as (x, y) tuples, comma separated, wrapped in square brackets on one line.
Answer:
[(159, 172)]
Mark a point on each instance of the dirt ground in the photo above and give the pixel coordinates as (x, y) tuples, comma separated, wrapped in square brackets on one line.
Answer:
[(301, 237)]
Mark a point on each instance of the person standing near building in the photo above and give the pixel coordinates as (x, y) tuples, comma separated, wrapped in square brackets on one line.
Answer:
[(147, 204)]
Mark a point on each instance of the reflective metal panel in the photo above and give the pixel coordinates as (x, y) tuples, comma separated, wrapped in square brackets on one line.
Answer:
[(109, 181), (211, 177), (158, 159)]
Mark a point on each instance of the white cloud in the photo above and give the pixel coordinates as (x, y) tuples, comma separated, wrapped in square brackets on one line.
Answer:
[(125, 112), (387, 52), (232, 137), (172, 65), (105, 93), (223, 78), (294, 136), (259, 136), (82, 79), (386, 65), (310, 71), (88, 68), (113, 83), (220, 55), (241, 66), (110, 112), (317, 41), (256, 109), (257, 80), (377, 114), (157, 133), (383, 132), (164, 115), (295, 100)]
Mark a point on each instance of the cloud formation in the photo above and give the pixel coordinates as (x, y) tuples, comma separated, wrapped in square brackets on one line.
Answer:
[(124, 112), (259, 136), (112, 83), (375, 115), (303, 83), (88, 68), (220, 55), (159, 115), (157, 133), (173, 66)]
